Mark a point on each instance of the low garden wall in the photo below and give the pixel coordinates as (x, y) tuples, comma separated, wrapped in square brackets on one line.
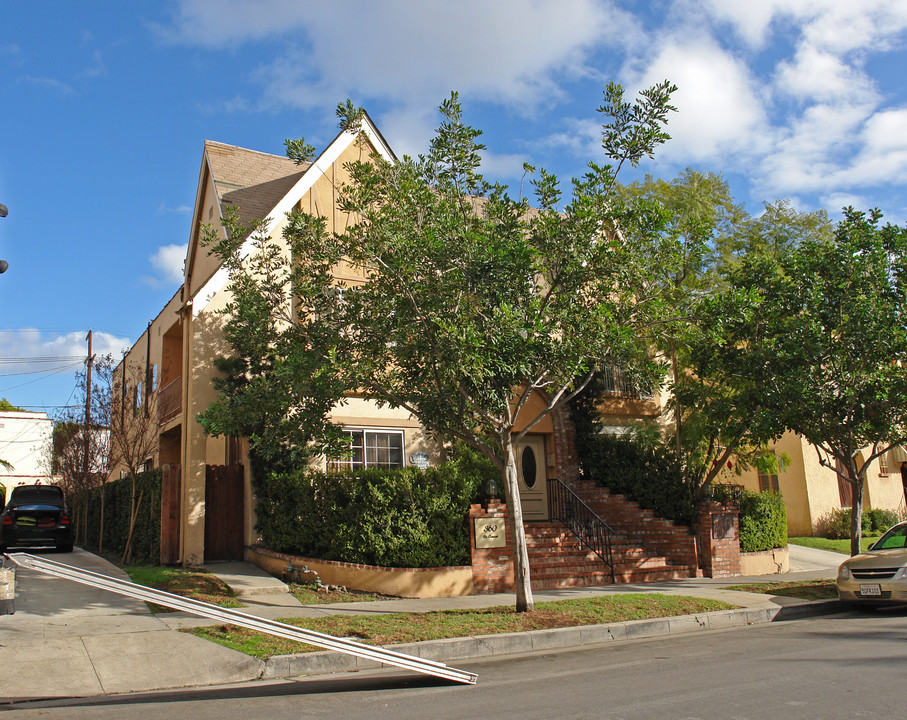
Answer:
[(765, 562), (400, 582)]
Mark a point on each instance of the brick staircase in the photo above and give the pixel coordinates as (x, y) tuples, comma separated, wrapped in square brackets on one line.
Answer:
[(644, 548)]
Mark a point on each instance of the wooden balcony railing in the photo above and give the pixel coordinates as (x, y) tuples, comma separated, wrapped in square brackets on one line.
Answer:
[(170, 400)]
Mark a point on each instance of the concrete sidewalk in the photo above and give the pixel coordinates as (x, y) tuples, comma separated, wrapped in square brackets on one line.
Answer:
[(67, 639)]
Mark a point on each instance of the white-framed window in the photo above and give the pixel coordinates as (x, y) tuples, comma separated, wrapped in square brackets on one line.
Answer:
[(371, 448), (883, 464)]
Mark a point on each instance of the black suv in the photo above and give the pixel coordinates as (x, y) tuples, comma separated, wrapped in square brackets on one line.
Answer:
[(36, 517)]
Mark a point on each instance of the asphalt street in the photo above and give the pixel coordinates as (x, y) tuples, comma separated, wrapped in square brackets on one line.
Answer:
[(842, 666)]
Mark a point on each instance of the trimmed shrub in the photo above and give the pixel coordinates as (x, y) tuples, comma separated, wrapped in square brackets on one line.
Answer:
[(763, 522), (391, 518), (763, 517), (879, 520)]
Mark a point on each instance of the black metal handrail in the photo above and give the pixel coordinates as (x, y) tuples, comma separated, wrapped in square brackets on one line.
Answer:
[(567, 507)]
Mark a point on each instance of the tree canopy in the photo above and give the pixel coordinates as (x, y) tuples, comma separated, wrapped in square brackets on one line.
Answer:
[(471, 301), (822, 331)]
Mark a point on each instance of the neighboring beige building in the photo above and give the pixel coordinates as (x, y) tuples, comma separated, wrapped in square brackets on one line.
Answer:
[(812, 492), (26, 440)]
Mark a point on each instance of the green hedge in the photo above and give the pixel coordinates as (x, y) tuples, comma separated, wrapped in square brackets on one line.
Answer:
[(146, 538), (649, 475), (763, 517), (390, 518)]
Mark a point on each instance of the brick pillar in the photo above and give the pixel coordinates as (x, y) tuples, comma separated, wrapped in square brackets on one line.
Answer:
[(565, 458), (492, 567), (718, 533)]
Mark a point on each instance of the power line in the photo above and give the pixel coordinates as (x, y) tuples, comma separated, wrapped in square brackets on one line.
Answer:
[(40, 359)]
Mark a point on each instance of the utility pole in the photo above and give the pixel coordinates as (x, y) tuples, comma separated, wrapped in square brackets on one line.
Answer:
[(86, 440), (4, 266)]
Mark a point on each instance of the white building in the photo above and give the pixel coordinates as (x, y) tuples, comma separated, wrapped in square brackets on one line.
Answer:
[(25, 443)]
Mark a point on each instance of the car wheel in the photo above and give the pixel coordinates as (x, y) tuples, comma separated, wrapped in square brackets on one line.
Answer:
[(65, 547)]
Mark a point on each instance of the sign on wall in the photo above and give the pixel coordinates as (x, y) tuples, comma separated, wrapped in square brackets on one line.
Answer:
[(490, 532), (419, 459)]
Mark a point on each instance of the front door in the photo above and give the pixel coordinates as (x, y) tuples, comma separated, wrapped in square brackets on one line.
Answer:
[(531, 468)]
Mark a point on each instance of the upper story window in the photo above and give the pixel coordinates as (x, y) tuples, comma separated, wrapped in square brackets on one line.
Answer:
[(883, 464)]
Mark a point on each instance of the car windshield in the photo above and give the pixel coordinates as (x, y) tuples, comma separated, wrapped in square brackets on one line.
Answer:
[(36, 496), (893, 539)]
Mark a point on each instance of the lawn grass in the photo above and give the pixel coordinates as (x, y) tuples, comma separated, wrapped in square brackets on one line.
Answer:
[(806, 589), (394, 628), (839, 546), (195, 584)]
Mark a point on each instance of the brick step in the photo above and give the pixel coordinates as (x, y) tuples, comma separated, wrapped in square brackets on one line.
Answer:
[(574, 563), (674, 572), (603, 577), (573, 545)]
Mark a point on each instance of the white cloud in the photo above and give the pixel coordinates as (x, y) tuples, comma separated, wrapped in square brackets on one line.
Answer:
[(45, 354), (823, 76), (168, 261), (505, 168), (720, 107), (61, 87), (410, 55), (178, 210), (886, 131), (838, 200), (838, 25)]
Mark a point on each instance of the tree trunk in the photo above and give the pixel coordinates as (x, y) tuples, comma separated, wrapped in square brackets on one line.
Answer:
[(856, 513), (524, 601), (127, 553)]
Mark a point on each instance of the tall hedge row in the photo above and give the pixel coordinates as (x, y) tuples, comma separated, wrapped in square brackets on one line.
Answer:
[(146, 537), (391, 518)]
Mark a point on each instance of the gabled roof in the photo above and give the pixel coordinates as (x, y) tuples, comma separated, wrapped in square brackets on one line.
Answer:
[(252, 181), (265, 187)]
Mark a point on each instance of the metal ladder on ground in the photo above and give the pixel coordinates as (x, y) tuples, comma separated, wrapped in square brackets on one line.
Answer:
[(227, 615)]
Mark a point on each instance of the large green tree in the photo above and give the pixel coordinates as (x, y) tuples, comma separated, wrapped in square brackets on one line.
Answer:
[(472, 301), (822, 330), (277, 385), (710, 385)]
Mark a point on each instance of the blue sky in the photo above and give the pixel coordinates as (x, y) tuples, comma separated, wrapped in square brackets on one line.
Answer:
[(105, 106)]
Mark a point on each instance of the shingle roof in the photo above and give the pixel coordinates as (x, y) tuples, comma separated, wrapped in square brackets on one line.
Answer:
[(252, 181)]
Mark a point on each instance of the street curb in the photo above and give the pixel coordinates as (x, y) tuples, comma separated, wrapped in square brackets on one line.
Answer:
[(480, 646)]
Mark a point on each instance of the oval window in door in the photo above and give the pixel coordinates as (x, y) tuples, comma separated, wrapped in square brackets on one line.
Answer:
[(527, 462)]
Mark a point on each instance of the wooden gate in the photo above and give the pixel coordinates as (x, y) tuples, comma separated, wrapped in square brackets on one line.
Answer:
[(170, 514), (224, 512)]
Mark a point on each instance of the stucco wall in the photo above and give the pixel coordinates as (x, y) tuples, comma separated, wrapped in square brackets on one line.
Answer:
[(810, 490), (398, 582)]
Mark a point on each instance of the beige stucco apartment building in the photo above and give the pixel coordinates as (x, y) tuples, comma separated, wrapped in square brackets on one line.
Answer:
[(171, 366)]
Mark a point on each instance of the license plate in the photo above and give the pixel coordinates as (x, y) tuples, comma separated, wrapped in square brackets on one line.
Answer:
[(870, 590)]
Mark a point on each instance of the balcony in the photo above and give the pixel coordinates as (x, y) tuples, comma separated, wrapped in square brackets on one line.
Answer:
[(170, 400)]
